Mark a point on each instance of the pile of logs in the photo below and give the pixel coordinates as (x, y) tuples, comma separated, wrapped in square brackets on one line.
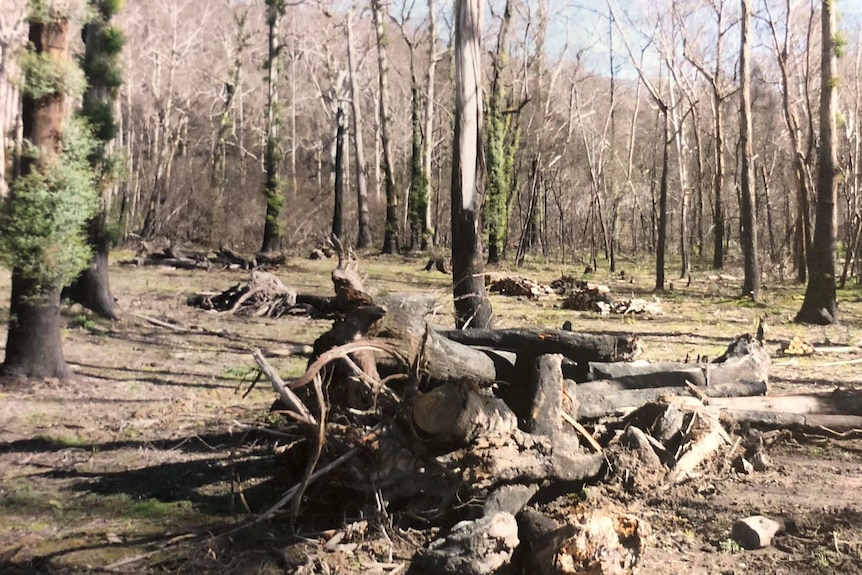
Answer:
[(587, 296), (518, 287), (163, 252), (263, 295), (428, 417)]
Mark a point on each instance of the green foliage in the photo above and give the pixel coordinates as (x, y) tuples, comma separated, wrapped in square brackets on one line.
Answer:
[(47, 11), (839, 44), (42, 218), (110, 8), (101, 117), (85, 323), (45, 75), (501, 145), (111, 40)]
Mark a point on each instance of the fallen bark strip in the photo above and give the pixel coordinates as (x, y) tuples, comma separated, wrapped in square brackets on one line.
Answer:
[(540, 341), (610, 397)]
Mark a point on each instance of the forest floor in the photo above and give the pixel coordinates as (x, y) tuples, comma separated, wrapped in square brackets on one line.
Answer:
[(145, 454)]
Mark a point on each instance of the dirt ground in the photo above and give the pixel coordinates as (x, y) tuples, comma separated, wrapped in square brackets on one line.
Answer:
[(140, 462)]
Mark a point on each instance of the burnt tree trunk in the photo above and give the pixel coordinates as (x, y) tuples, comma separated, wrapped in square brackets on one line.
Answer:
[(34, 347), (340, 171), (820, 305), (747, 215)]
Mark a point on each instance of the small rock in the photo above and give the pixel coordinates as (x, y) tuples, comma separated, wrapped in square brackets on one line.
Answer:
[(477, 547), (635, 438), (509, 498), (761, 461), (755, 532), (742, 465)]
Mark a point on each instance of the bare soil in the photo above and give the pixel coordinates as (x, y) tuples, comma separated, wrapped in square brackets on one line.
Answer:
[(147, 454)]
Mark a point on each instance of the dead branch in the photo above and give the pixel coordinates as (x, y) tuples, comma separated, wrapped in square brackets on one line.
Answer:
[(288, 397)]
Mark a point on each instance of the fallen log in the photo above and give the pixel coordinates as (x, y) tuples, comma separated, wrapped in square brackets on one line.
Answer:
[(610, 397), (837, 402), (539, 341), (837, 426), (546, 413)]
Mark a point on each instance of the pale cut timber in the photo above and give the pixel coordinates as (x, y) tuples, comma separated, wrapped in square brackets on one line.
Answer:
[(710, 437), (610, 397), (838, 402)]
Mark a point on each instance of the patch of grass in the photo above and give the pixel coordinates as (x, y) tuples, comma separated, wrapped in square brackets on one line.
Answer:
[(83, 322), (240, 373), (729, 546), (61, 441), (151, 508)]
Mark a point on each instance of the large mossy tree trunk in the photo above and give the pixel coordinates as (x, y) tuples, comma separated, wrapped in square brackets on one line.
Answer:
[(820, 305), (497, 153), (34, 347), (472, 306), (103, 45)]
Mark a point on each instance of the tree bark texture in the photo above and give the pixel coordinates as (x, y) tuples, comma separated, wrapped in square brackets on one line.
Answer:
[(820, 305), (472, 306)]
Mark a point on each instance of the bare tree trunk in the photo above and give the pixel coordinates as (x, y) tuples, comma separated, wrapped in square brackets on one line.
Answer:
[(363, 237), (272, 188), (718, 183), (820, 305), (661, 246), (12, 36), (802, 227), (748, 220), (685, 190), (340, 170), (380, 9), (472, 306), (428, 140)]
